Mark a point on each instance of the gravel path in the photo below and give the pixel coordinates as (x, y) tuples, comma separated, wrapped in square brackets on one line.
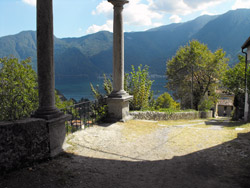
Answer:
[(173, 154)]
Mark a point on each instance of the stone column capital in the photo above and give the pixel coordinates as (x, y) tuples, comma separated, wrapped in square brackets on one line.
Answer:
[(118, 3)]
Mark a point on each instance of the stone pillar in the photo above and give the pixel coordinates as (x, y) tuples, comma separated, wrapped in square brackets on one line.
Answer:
[(118, 100), (45, 61), (54, 118), (246, 107)]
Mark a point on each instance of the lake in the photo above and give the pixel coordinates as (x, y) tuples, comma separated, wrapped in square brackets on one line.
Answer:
[(79, 87)]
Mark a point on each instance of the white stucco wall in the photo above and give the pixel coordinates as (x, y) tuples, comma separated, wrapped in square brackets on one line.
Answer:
[(248, 53)]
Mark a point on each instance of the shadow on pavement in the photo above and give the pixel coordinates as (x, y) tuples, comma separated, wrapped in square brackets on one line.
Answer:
[(223, 166), (226, 122)]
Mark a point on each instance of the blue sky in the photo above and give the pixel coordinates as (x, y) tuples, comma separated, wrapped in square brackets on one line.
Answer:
[(74, 18)]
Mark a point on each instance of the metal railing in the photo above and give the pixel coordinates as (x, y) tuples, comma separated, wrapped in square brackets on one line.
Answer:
[(84, 115)]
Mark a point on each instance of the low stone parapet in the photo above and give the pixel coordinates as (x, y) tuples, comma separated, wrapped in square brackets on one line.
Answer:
[(25, 142), (152, 115), (22, 143)]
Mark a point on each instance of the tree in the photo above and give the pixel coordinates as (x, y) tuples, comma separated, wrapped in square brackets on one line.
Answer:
[(18, 89), (234, 82), (234, 78), (194, 66)]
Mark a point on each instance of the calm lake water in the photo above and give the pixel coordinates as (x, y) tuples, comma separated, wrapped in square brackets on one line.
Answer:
[(78, 88)]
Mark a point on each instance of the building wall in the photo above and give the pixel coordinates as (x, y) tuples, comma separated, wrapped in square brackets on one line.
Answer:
[(224, 110)]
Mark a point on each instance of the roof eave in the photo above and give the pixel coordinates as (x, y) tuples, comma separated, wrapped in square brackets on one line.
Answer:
[(246, 44)]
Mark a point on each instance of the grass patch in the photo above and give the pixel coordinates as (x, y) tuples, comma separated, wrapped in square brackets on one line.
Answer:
[(134, 129)]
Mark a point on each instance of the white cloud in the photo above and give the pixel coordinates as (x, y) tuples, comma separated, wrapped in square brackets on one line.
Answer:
[(135, 14), (157, 24), (207, 13), (30, 2), (138, 14), (105, 8), (241, 4), (183, 7), (175, 19), (108, 26)]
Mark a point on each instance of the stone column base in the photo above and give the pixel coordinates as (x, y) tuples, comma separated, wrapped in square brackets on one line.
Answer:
[(118, 109), (57, 133)]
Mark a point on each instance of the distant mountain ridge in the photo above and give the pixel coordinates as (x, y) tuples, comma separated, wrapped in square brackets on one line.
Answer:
[(91, 55)]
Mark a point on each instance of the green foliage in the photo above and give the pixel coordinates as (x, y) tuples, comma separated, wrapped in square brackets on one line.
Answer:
[(64, 105), (107, 85), (18, 93), (101, 112), (18, 90), (207, 69), (234, 82), (206, 104), (166, 101), (136, 83), (234, 78), (139, 85)]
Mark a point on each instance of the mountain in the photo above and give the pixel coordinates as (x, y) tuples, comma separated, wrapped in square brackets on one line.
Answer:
[(228, 31), (91, 55), (22, 45)]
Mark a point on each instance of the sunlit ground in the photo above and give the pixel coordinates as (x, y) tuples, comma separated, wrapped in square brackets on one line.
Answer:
[(154, 140)]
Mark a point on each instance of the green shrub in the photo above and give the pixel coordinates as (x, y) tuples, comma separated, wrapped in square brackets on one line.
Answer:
[(136, 83), (166, 101), (206, 104), (139, 85)]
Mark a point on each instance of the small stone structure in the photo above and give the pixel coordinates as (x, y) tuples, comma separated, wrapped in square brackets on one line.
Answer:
[(118, 100), (224, 105), (158, 116)]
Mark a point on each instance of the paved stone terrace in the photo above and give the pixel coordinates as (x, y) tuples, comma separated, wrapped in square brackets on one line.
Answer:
[(192, 153)]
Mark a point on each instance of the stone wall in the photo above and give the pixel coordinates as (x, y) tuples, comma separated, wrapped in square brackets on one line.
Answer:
[(22, 143), (151, 115), (25, 142)]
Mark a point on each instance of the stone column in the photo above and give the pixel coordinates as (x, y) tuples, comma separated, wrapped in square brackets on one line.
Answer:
[(45, 61), (118, 100), (53, 117)]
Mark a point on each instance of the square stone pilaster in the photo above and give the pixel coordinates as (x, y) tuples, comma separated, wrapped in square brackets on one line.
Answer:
[(57, 133), (118, 108)]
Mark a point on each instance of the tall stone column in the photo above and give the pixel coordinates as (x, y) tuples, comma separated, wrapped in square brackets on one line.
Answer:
[(118, 100), (45, 61), (54, 118)]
